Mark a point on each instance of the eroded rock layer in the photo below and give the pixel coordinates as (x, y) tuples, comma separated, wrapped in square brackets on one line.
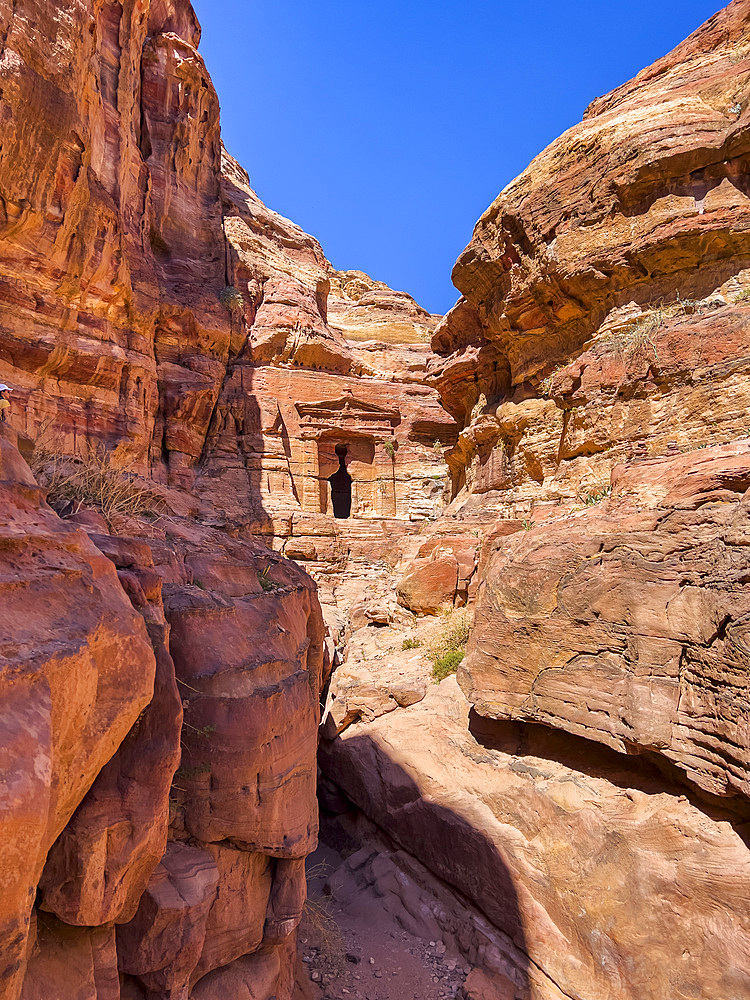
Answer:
[(161, 668), (571, 818)]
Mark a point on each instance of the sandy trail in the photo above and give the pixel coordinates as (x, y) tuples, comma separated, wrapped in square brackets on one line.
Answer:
[(353, 947)]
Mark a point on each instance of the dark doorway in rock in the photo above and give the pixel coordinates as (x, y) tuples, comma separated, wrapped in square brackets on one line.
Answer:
[(341, 486)]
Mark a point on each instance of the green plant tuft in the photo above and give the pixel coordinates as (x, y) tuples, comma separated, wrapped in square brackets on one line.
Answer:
[(232, 299), (411, 644), (390, 449), (592, 497), (447, 664), (448, 650), (193, 772)]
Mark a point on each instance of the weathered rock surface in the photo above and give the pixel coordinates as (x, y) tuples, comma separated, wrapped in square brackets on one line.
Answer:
[(591, 864), (77, 670), (627, 623), (112, 246), (584, 826), (164, 941), (66, 961), (586, 785), (114, 332), (100, 865), (319, 360)]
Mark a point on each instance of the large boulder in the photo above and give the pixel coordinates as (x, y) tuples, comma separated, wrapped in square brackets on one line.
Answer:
[(626, 622)]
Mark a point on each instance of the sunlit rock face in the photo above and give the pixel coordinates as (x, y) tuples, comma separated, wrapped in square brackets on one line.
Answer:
[(77, 670), (580, 795), (585, 783), (324, 365), (111, 228), (143, 850)]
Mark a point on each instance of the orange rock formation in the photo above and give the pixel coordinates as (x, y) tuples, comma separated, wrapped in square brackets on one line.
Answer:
[(570, 814)]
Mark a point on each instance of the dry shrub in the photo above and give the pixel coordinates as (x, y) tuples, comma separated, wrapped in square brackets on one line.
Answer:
[(232, 299), (447, 650), (91, 480), (639, 335), (319, 925)]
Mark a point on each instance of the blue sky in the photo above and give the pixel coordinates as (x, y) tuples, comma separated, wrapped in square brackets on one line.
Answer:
[(385, 129)]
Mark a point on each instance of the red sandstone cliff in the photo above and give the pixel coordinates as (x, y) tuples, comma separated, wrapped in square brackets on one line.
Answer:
[(142, 851), (576, 812)]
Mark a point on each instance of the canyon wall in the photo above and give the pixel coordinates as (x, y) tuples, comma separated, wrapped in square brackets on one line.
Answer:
[(574, 805), (162, 667), (184, 363), (584, 785)]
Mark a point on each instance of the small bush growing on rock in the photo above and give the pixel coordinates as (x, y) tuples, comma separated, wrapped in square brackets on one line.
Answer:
[(592, 497), (448, 650), (744, 296), (640, 334), (232, 299), (437, 447), (91, 480), (390, 449), (411, 644), (158, 244), (545, 386), (266, 583), (319, 927), (193, 772), (447, 664)]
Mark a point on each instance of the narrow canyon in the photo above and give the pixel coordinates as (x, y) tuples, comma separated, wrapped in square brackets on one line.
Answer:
[(350, 652)]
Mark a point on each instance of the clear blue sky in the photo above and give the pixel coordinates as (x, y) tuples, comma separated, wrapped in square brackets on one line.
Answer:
[(386, 128)]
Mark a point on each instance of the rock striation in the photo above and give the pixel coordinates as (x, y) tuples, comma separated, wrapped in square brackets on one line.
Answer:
[(162, 667), (554, 479), (168, 335)]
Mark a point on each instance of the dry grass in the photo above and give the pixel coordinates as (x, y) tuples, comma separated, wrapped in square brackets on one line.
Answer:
[(91, 480), (641, 334), (232, 299), (318, 924)]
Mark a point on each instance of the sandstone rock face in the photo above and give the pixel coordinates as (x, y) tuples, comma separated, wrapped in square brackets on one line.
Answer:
[(320, 360), (585, 783), (644, 199), (115, 333), (163, 943), (592, 866), (578, 805), (627, 623), (72, 962), (113, 251), (100, 865), (78, 668)]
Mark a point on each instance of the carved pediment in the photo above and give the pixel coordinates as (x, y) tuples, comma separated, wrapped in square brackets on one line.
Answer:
[(349, 411)]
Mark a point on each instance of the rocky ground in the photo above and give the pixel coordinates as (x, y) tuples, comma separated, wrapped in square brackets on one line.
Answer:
[(352, 945)]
